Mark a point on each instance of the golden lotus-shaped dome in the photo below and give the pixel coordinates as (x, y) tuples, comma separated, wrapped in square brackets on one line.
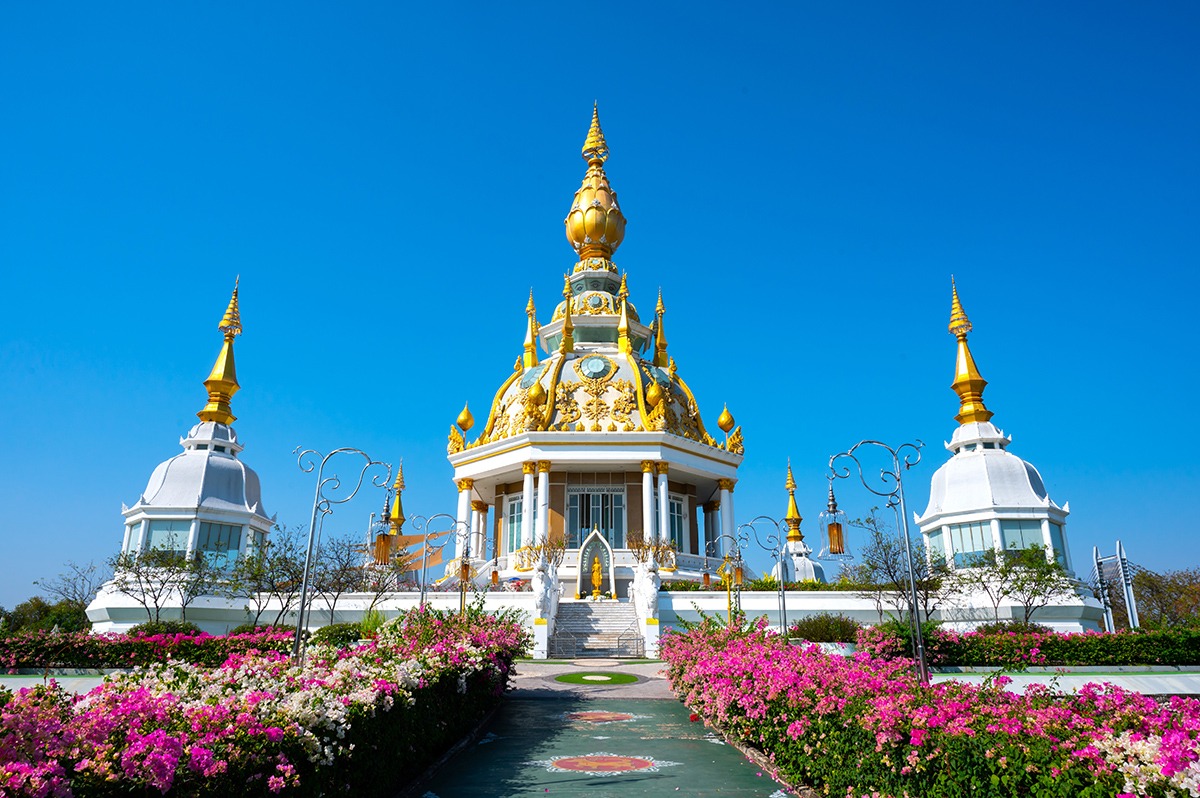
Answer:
[(595, 224)]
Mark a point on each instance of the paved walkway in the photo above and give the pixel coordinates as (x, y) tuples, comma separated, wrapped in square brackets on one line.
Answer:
[(601, 741)]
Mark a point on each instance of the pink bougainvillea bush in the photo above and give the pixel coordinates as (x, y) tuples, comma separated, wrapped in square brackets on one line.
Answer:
[(366, 718), (865, 726)]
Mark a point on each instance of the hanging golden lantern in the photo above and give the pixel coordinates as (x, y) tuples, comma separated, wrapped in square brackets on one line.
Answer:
[(833, 527), (706, 579), (495, 578)]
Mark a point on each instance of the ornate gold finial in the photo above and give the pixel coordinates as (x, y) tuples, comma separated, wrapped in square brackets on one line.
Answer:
[(465, 420), (537, 394), (595, 148), (222, 381), (624, 346), (594, 225), (660, 336), (725, 420), (396, 516), (793, 517), (568, 328), (654, 393), (530, 357), (623, 291), (968, 382)]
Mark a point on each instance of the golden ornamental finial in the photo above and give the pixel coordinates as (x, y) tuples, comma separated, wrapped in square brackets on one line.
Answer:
[(595, 148), (529, 357), (568, 328), (725, 420), (793, 517), (623, 291), (660, 336), (465, 420), (396, 516), (968, 382), (959, 323), (624, 345), (832, 501), (222, 381), (231, 322)]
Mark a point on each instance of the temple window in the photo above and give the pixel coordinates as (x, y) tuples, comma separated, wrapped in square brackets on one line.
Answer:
[(513, 511), (1020, 534), (220, 543), (169, 536), (970, 541), (599, 507)]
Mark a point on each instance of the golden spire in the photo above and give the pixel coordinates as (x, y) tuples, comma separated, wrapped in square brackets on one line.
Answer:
[(222, 381), (793, 518), (396, 517), (568, 329), (660, 336), (968, 382), (623, 291), (595, 225), (623, 344), (530, 357), (465, 420)]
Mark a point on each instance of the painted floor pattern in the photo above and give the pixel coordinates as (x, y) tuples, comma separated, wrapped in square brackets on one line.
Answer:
[(609, 748)]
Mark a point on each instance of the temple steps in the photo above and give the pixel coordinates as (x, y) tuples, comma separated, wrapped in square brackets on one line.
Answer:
[(596, 629)]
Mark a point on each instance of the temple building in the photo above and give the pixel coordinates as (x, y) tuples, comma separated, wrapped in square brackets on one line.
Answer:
[(985, 497), (204, 501), (594, 445)]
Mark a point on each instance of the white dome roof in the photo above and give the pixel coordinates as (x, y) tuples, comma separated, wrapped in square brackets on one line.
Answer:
[(204, 476), (982, 475)]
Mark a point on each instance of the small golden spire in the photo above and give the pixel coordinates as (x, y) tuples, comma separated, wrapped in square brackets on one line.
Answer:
[(396, 517), (530, 357), (222, 381), (568, 328), (793, 518), (968, 382), (623, 292), (623, 344), (595, 148), (660, 335), (725, 420), (465, 420)]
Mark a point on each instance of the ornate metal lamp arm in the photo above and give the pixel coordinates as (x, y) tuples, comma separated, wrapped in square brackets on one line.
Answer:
[(323, 503), (767, 535), (430, 528), (903, 457)]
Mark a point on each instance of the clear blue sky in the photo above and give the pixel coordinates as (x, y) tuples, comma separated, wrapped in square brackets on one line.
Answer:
[(801, 179)]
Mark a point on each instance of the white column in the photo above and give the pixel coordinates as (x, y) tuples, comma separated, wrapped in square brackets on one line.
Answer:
[(464, 516), (128, 537), (527, 504), (648, 533), (664, 507), (711, 525), (543, 502), (947, 546), (997, 540), (193, 539), (478, 524), (727, 527)]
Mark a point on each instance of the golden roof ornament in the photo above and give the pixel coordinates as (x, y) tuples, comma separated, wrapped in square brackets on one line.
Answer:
[(595, 225), (624, 345), (660, 336), (793, 517), (222, 381), (530, 358), (568, 328), (396, 516), (968, 382), (725, 420), (465, 420)]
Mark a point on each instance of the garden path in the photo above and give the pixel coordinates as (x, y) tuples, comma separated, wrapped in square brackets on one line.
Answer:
[(596, 740)]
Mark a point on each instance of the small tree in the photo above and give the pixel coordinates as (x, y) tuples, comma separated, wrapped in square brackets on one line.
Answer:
[(338, 570), (150, 577), (987, 573), (78, 584), (271, 575), (884, 568), (1036, 580)]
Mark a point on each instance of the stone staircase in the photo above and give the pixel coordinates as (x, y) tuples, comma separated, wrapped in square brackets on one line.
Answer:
[(596, 629)]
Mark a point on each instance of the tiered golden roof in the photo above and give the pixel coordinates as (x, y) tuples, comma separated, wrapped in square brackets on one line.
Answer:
[(793, 517), (222, 381), (968, 382)]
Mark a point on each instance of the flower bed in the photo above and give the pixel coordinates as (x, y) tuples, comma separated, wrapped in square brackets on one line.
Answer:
[(368, 718), (1016, 650), (84, 650), (864, 725)]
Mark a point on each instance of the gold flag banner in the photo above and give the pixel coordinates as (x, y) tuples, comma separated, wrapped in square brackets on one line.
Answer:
[(404, 541), (413, 560)]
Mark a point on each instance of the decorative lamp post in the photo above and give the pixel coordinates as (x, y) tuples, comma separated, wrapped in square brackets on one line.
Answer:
[(434, 533), (322, 506), (767, 535), (833, 529), (891, 488), (730, 571)]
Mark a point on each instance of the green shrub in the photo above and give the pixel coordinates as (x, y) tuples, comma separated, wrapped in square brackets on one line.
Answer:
[(1014, 627), (151, 628), (338, 635), (826, 628), (250, 628), (371, 622)]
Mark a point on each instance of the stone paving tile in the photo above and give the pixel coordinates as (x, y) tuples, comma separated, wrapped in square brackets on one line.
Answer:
[(613, 748)]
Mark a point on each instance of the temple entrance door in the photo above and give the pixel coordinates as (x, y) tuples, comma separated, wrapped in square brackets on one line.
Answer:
[(595, 578)]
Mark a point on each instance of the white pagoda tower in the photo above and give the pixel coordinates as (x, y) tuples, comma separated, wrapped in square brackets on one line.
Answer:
[(594, 450), (204, 501)]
